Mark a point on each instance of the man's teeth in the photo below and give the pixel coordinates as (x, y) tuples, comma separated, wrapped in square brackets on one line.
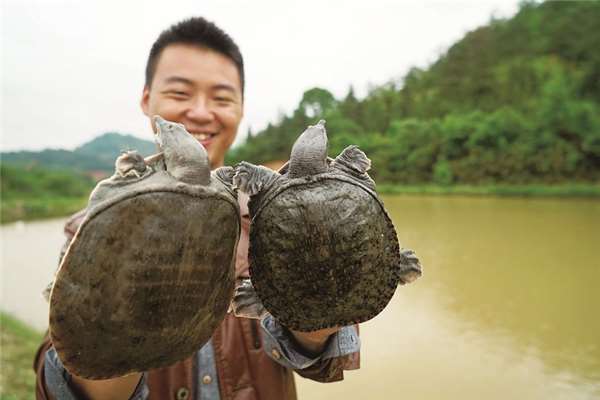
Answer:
[(203, 136)]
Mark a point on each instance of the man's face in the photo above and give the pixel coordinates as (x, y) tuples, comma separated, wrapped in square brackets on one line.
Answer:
[(201, 89)]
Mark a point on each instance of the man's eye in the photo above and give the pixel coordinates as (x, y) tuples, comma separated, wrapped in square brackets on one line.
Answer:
[(177, 93), (222, 99)]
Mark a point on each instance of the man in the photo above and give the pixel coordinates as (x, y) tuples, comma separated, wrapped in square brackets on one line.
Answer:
[(195, 76)]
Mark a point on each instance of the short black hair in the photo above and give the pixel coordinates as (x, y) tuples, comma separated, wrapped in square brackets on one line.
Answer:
[(199, 32)]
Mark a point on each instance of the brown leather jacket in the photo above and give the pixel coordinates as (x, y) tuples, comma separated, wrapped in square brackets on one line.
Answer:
[(245, 371)]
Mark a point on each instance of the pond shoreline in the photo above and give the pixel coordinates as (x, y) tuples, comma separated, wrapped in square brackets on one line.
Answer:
[(40, 209), (571, 190), (13, 210)]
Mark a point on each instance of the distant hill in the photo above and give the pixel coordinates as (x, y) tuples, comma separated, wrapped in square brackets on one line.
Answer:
[(97, 155)]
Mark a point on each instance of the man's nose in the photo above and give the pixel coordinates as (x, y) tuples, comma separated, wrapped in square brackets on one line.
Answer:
[(200, 111)]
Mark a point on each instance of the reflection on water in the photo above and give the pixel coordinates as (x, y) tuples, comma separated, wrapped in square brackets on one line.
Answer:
[(506, 309)]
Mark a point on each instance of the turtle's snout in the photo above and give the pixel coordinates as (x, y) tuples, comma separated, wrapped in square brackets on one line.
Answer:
[(161, 124), (158, 121)]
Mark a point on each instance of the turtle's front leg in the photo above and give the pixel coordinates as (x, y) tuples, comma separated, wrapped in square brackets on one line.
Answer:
[(130, 163), (252, 179)]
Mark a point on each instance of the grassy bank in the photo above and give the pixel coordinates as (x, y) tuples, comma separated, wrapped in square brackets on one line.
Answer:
[(39, 208), (35, 192), (533, 190), (18, 344)]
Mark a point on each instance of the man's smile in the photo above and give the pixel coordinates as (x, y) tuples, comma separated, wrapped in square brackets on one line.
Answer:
[(204, 137)]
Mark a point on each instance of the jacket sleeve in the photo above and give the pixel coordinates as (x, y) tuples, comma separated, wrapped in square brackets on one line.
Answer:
[(41, 392), (342, 352)]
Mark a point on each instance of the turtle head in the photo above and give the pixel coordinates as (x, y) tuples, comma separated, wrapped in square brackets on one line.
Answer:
[(309, 153), (185, 158)]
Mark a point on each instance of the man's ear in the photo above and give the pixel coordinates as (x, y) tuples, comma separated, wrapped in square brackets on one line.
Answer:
[(144, 100)]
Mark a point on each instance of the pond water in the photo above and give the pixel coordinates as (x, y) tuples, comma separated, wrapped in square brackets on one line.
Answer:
[(508, 307)]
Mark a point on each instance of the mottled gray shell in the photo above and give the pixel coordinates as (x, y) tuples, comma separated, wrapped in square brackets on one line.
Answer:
[(148, 276), (323, 252)]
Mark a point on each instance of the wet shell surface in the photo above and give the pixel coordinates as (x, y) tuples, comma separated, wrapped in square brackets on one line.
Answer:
[(323, 250), (322, 254), (150, 273)]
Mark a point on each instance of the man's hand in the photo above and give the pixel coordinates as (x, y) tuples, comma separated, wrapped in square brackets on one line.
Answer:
[(314, 342), (109, 389)]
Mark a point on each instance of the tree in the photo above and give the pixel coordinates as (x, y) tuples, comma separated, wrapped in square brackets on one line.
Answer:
[(316, 102)]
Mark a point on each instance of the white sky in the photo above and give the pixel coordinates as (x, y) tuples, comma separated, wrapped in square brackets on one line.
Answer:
[(72, 70)]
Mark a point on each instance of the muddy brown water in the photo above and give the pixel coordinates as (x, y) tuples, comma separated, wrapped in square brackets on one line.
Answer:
[(508, 308)]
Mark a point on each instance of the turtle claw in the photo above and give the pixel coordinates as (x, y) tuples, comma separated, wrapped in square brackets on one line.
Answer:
[(225, 175), (241, 177), (245, 302)]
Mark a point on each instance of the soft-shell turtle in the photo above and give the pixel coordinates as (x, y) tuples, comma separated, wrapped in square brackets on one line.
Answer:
[(150, 272), (323, 250)]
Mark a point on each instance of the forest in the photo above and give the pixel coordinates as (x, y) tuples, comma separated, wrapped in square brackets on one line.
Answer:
[(516, 101)]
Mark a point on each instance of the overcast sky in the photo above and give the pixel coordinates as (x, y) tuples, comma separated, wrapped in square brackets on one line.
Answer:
[(72, 70)]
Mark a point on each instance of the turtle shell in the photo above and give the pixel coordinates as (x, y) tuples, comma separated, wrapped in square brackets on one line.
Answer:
[(323, 251), (147, 278)]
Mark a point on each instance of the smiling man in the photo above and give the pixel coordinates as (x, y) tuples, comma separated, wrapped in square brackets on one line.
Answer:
[(200, 88), (195, 76)]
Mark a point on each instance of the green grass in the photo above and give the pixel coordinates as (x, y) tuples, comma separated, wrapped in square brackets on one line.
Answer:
[(534, 190), (25, 209), (36, 192), (18, 344)]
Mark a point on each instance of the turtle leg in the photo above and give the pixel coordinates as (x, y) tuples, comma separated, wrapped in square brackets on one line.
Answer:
[(354, 161), (252, 179), (129, 164), (354, 158), (410, 266), (245, 302), (225, 175)]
